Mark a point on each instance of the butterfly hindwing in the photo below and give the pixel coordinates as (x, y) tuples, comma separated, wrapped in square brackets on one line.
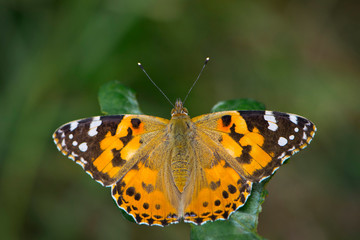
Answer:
[(104, 146), (222, 192), (144, 194), (259, 141)]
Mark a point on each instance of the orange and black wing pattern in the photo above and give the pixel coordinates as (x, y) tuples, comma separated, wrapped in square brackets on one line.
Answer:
[(258, 141), (104, 146)]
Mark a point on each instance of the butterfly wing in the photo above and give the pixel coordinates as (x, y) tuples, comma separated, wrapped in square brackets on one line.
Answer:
[(215, 189), (105, 146), (147, 191), (258, 141), (238, 148), (123, 151)]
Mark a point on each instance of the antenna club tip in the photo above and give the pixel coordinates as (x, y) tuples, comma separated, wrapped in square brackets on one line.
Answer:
[(207, 59), (140, 65)]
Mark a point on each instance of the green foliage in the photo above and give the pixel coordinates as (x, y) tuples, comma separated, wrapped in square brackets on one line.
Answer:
[(115, 98), (238, 104)]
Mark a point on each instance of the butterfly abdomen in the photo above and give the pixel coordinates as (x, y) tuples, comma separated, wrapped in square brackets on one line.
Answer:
[(180, 128)]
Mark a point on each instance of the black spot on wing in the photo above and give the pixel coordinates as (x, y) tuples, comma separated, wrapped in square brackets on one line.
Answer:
[(234, 135), (254, 119), (214, 185), (137, 196), (110, 124), (138, 218), (117, 161), (232, 189), (164, 222), (150, 221), (225, 194), (245, 156), (130, 191), (226, 214), (128, 137), (199, 220), (147, 187), (135, 122), (226, 120)]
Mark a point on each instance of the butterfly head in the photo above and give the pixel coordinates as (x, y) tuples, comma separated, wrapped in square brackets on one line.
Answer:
[(179, 109)]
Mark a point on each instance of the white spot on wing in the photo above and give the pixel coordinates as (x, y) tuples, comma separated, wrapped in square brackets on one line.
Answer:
[(293, 118), (73, 125), (93, 126), (270, 118), (272, 126), (268, 113), (282, 141), (296, 129), (282, 155), (291, 137), (83, 147), (74, 143), (83, 161), (71, 136), (304, 136), (92, 132)]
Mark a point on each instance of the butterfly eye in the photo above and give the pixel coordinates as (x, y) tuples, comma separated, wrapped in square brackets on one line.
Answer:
[(185, 111)]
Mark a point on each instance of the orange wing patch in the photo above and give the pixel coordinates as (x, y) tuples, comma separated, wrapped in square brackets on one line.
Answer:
[(141, 196), (222, 194)]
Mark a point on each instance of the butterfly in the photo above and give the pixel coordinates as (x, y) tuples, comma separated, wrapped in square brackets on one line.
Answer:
[(192, 169)]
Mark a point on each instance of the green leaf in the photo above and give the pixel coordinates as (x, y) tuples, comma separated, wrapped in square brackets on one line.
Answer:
[(243, 223), (238, 104), (115, 98)]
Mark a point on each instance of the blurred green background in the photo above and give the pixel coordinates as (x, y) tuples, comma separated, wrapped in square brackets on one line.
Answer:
[(295, 56)]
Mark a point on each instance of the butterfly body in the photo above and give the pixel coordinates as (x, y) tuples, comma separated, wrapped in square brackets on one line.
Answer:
[(180, 132), (198, 170)]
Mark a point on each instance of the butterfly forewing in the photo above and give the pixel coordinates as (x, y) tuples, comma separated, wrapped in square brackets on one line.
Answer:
[(259, 141), (104, 146)]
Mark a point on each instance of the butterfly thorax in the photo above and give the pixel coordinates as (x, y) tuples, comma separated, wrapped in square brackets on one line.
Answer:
[(180, 132)]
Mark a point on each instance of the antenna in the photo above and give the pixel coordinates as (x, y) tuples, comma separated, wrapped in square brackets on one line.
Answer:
[(142, 68), (206, 61)]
